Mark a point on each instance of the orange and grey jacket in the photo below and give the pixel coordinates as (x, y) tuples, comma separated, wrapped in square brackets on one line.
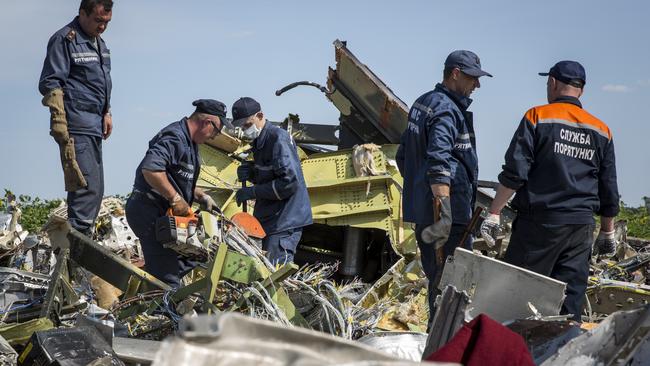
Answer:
[(561, 163)]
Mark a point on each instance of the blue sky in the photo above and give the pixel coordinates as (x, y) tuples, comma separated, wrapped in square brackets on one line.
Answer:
[(165, 54)]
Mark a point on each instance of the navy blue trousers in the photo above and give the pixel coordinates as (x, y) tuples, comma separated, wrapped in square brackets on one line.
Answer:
[(561, 252), (84, 204), (281, 247), (428, 255), (163, 263)]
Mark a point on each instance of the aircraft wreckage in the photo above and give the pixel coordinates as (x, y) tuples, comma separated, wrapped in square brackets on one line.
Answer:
[(69, 299)]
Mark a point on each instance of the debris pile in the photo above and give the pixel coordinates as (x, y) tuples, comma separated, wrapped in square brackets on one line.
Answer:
[(356, 293)]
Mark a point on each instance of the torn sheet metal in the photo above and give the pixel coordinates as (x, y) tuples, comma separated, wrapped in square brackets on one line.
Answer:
[(545, 338), (369, 109), (608, 296), (403, 345), (8, 356), (621, 339), (233, 339), (451, 307), (20, 287), (501, 290), (135, 351)]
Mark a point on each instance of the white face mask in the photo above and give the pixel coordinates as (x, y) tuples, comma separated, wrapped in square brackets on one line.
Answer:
[(252, 132)]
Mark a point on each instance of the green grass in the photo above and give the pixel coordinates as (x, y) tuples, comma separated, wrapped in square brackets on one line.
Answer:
[(638, 220)]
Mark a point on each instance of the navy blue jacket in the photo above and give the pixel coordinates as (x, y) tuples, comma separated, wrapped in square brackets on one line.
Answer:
[(171, 151), (438, 147), (561, 163), (83, 72), (281, 199)]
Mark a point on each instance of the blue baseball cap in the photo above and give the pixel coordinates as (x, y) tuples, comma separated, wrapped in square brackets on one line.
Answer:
[(212, 107), (244, 108), (467, 61), (568, 72)]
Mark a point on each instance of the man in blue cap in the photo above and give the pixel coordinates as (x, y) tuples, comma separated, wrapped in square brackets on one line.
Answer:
[(437, 159), (166, 178), (561, 167), (281, 201), (76, 86)]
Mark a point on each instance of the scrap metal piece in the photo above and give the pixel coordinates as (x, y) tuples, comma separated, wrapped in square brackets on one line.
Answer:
[(403, 345), (621, 339), (20, 286), (234, 339), (545, 338), (370, 111), (18, 334), (451, 306), (608, 296), (109, 266), (500, 290), (8, 355), (135, 351)]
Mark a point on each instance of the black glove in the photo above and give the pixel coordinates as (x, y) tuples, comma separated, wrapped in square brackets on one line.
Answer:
[(245, 172), (245, 194)]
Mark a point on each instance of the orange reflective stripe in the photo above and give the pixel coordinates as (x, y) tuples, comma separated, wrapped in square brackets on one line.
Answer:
[(568, 114)]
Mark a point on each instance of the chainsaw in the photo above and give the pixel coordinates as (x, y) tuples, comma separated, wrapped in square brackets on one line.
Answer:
[(181, 234)]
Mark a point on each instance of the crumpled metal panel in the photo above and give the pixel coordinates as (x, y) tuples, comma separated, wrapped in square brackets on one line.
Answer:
[(501, 290), (608, 296), (621, 339), (403, 345), (234, 339), (358, 89), (451, 306)]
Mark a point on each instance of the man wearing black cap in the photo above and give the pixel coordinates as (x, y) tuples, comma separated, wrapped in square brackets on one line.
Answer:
[(281, 201), (437, 159), (166, 178), (561, 166)]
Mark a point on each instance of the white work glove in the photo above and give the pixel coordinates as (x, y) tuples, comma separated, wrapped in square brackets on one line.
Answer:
[(208, 204), (438, 232), (490, 228), (605, 243)]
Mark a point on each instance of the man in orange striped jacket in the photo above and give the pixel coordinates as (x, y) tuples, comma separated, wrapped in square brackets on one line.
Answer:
[(562, 167)]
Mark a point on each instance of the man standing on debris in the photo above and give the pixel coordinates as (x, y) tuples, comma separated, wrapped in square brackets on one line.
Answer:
[(561, 166), (437, 159), (76, 85), (166, 178), (281, 201)]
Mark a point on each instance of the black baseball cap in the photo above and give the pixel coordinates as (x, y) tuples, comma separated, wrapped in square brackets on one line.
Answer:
[(214, 108), (568, 72), (242, 109), (467, 61)]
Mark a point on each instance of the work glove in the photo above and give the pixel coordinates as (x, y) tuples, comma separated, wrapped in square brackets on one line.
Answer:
[(605, 243), (208, 204), (490, 228), (244, 194), (245, 172), (58, 121), (179, 206), (438, 232), (72, 175)]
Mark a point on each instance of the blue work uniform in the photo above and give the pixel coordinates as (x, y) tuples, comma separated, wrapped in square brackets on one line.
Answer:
[(561, 163), (171, 151), (281, 200), (81, 67), (438, 147)]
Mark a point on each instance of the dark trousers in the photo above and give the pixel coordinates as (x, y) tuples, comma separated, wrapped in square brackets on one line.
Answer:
[(561, 252), (281, 247), (163, 263), (428, 255), (84, 204)]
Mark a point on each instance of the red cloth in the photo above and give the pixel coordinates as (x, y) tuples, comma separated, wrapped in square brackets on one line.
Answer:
[(485, 342)]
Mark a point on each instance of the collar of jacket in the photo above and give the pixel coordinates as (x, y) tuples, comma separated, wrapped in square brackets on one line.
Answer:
[(461, 101), (261, 139), (567, 99), (186, 132), (81, 37)]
